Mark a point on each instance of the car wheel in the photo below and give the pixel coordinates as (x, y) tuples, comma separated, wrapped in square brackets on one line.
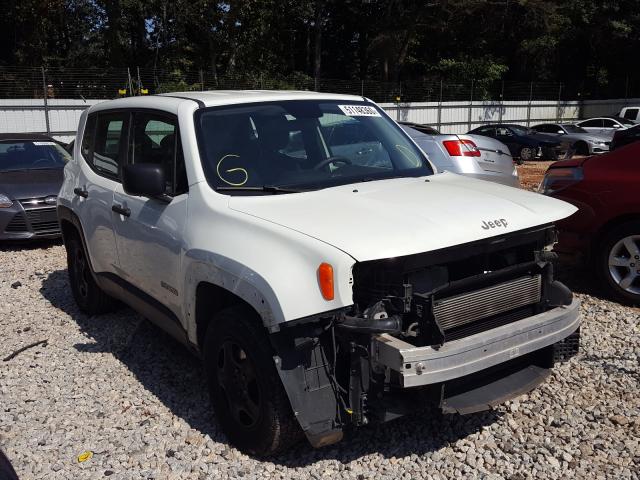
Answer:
[(619, 263), (526, 154), (247, 394), (88, 295)]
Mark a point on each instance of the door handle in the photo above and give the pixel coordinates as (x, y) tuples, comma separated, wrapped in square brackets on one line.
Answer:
[(121, 210), (81, 192)]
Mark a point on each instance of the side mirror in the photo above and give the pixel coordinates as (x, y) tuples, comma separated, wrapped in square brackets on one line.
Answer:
[(143, 179), (561, 132)]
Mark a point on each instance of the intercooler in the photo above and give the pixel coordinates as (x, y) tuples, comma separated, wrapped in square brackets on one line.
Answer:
[(463, 309)]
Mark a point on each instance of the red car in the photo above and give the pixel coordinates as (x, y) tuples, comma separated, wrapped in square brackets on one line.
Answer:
[(605, 231)]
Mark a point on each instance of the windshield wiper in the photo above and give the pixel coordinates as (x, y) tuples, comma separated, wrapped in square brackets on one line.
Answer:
[(263, 188)]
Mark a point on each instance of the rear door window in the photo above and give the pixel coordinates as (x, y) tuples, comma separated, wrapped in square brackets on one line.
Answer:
[(109, 143), (593, 123), (547, 128)]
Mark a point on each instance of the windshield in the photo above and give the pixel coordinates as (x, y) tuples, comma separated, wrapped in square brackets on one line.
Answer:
[(625, 121), (31, 154), (302, 145), (521, 130), (574, 129)]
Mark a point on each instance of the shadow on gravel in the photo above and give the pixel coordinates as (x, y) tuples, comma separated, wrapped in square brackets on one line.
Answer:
[(171, 373), (162, 365), (580, 279), (15, 246)]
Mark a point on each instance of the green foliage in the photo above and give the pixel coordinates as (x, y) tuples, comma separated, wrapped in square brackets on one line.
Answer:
[(581, 41)]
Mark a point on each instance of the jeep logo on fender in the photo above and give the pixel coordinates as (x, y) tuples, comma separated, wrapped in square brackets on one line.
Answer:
[(494, 224)]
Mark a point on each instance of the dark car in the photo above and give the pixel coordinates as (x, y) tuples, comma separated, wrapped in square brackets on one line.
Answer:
[(524, 143), (426, 129), (625, 137), (31, 173), (605, 232)]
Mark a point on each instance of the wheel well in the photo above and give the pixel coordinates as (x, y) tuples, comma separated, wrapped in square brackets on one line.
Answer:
[(211, 299), (607, 227), (581, 147), (67, 229)]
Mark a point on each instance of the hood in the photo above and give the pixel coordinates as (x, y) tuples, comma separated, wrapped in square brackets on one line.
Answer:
[(390, 218), (545, 138), (590, 137), (20, 184)]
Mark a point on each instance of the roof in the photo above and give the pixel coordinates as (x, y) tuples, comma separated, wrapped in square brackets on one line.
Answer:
[(225, 97), (25, 136), (211, 98), (609, 117)]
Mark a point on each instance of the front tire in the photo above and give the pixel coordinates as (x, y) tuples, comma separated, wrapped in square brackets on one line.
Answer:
[(618, 263), (247, 394), (526, 154), (88, 295), (581, 148)]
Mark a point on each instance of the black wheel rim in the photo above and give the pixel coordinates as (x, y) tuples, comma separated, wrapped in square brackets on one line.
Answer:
[(81, 271), (239, 384)]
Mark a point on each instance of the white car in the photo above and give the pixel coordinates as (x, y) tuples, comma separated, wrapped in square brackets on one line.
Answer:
[(605, 125), (631, 113), (322, 290)]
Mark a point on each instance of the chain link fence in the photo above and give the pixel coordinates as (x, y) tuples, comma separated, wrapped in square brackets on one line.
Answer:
[(74, 83), (457, 105)]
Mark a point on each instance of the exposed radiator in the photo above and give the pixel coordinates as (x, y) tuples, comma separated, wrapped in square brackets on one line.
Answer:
[(469, 307)]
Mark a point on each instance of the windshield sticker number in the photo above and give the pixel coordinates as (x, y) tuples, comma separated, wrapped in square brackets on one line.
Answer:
[(359, 110)]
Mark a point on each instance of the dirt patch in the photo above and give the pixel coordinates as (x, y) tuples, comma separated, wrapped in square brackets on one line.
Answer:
[(532, 173)]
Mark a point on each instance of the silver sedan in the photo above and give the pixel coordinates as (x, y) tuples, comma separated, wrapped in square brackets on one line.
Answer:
[(471, 155), (581, 141)]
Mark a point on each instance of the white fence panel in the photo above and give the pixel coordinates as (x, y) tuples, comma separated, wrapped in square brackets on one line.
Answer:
[(20, 115)]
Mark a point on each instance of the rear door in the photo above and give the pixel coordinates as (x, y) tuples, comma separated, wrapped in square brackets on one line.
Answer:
[(103, 150), (150, 237)]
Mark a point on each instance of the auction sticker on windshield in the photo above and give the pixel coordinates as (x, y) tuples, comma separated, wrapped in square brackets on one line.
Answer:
[(359, 110)]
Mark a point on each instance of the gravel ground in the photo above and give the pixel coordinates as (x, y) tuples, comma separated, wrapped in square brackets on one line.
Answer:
[(117, 387)]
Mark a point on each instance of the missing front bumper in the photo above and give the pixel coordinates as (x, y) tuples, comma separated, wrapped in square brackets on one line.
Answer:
[(413, 366)]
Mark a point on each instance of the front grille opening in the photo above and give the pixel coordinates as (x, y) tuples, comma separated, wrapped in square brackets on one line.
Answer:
[(18, 224), (43, 220), (460, 291)]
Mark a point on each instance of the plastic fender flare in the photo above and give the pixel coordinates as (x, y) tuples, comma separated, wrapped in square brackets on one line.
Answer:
[(204, 266)]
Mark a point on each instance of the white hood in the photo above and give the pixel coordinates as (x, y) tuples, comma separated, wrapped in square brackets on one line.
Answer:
[(390, 218)]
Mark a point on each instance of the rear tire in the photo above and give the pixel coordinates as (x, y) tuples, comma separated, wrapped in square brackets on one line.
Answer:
[(88, 295), (247, 394), (618, 263)]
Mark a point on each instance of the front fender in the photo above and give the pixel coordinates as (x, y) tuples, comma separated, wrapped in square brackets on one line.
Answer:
[(205, 266)]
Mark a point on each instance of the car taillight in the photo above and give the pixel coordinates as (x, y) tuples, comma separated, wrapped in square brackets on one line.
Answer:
[(557, 179), (461, 148)]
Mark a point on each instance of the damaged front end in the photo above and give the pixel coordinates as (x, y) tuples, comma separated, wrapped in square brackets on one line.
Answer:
[(465, 328)]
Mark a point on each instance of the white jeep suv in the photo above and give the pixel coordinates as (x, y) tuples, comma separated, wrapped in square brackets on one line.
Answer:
[(326, 277)]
